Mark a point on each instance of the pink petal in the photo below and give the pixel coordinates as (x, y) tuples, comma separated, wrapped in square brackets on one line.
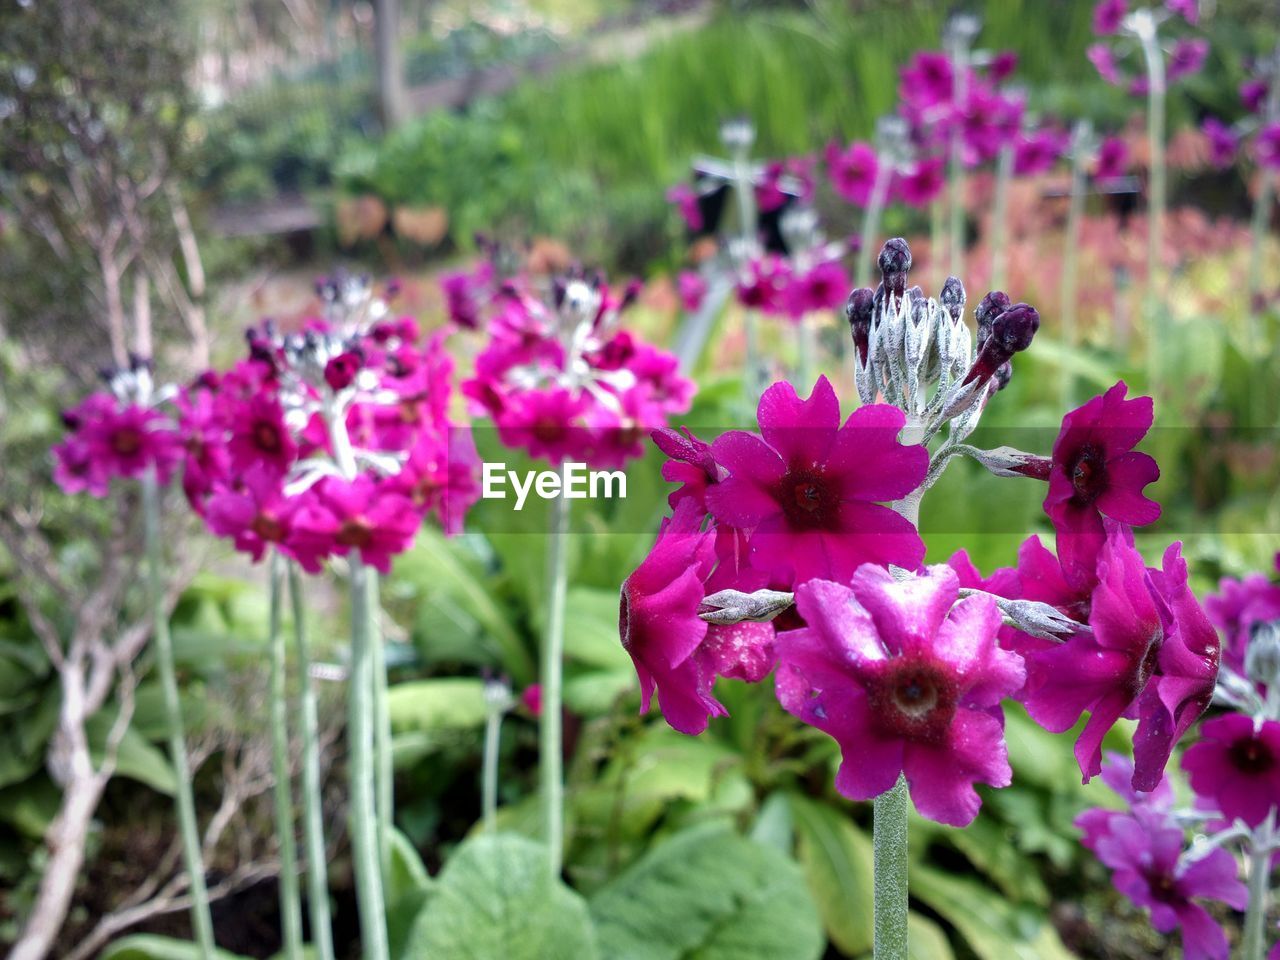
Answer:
[(1122, 500), (801, 431), (942, 777)]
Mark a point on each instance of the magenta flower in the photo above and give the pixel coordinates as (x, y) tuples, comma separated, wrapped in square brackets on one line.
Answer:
[(109, 439), (928, 81), (1187, 58), (364, 515), (543, 422), (1253, 94), (922, 182), (1104, 62), (1189, 10), (686, 200), (1151, 653), (692, 289), (1112, 159), (1236, 607), (823, 287), (764, 287), (1096, 473), (1037, 152), (1222, 142), (1108, 15), (1235, 766), (853, 171), (1002, 65), (676, 653), (907, 681), (1266, 146), (806, 487), (259, 435)]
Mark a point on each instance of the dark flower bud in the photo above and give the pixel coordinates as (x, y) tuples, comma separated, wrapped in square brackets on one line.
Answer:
[(340, 372), (991, 306), (858, 310), (895, 263), (1014, 329), (953, 298), (916, 294)]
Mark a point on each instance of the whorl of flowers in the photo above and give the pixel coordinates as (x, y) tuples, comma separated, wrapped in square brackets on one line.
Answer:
[(561, 379)]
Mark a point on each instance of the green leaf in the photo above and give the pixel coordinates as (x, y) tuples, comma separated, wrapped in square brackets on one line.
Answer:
[(136, 758), (591, 628), (23, 737), (994, 928), (150, 946), (992, 848), (496, 900), (925, 939), (837, 861), (775, 825), (595, 692), (455, 703), (31, 805), (708, 894), (408, 875)]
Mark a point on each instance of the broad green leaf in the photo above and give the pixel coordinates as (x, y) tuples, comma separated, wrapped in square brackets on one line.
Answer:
[(454, 703), (994, 928), (24, 735), (407, 875), (31, 805), (496, 900), (708, 894), (775, 824), (837, 861), (926, 940), (596, 691), (151, 946), (992, 848), (136, 758), (591, 628)]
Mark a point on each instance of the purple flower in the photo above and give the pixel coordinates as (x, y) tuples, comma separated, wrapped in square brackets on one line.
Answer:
[(1002, 65), (1236, 607), (1235, 765), (1189, 10), (852, 171), (1104, 61), (1096, 473), (822, 287), (1253, 94), (1112, 159), (1151, 653), (765, 285), (686, 200), (1187, 58), (1266, 146), (907, 681), (928, 80), (1108, 15), (692, 288), (1222, 142), (922, 182), (806, 489), (1037, 152)]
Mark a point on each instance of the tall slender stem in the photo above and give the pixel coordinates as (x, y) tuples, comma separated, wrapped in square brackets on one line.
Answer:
[(955, 163), (360, 736), (937, 243), (290, 904), (489, 771), (1261, 218), (1071, 252), (1146, 32), (201, 921), (384, 773), (550, 740), (805, 350), (1000, 217), (1255, 918), (312, 799), (871, 222)]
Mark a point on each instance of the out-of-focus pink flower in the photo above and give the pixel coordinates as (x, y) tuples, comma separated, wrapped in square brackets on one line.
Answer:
[(1235, 767), (259, 435), (365, 515), (1112, 159), (1187, 58), (1189, 10), (823, 287), (531, 699), (922, 182), (765, 286), (852, 171), (1108, 15), (1266, 146), (692, 289), (807, 487), (928, 80), (1253, 94), (1104, 62), (1096, 473), (1222, 142), (686, 200), (907, 681), (1038, 151), (1002, 65), (111, 439), (1236, 607)]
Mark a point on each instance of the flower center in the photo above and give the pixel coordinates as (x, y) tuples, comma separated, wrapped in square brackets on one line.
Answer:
[(266, 436), (548, 429), (913, 699), (268, 528), (354, 532), (126, 441), (806, 499), (1089, 474), (1249, 755), (1164, 888)]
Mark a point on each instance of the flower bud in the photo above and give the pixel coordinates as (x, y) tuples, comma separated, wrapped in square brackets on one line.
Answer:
[(953, 298), (991, 306), (895, 263), (340, 372), (858, 311), (733, 606), (1014, 329)]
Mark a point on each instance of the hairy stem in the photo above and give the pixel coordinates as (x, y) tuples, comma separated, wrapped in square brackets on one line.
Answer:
[(550, 735), (312, 800), (201, 921), (1155, 201), (290, 904), (489, 770), (384, 774), (1071, 261), (1255, 918), (1000, 217)]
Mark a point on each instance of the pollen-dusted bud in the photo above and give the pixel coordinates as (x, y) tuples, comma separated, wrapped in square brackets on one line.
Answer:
[(953, 298), (895, 264), (1014, 329), (858, 310), (991, 306)]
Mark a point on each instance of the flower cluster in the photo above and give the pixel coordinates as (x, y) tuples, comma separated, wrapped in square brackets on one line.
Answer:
[(1138, 31), (906, 666), (564, 381), (1261, 99)]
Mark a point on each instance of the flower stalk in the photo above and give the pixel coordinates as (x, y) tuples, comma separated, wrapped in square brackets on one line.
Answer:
[(290, 904), (550, 732), (312, 799), (1255, 918), (1144, 26), (497, 701), (384, 773), (201, 921), (1000, 217), (1080, 150)]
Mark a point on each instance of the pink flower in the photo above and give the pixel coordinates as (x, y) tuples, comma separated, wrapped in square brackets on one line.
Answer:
[(255, 514), (675, 652), (1236, 607), (765, 285), (443, 477), (531, 699), (1253, 94), (1266, 146), (109, 440), (1187, 58), (548, 423), (853, 171), (1189, 10), (1002, 66), (806, 487), (1112, 159), (1151, 653), (259, 435), (922, 182), (1222, 142), (364, 515), (824, 287), (1037, 152), (928, 80), (1108, 15), (692, 289), (1096, 473), (686, 200), (907, 681), (1104, 62), (691, 464), (1235, 765)]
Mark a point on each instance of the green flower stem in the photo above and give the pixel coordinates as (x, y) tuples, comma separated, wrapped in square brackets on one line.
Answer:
[(489, 770), (805, 350), (550, 735), (1156, 200), (871, 224), (890, 810), (937, 242), (1255, 918), (1000, 218), (360, 743), (1071, 257), (384, 762), (312, 800), (201, 921), (1262, 217), (955, 162), (290, 904)]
